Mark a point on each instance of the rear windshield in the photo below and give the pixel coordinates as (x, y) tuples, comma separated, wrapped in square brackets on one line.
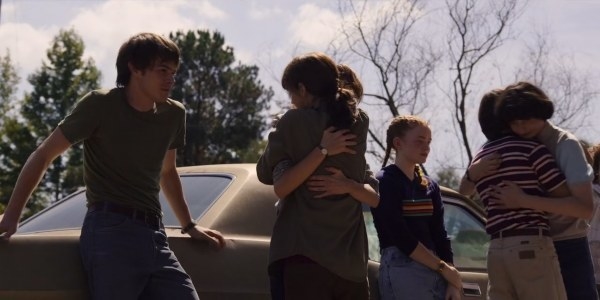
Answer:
[(200, 191)]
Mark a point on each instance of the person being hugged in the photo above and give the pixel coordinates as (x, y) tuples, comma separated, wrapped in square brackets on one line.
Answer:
[(416, 254), (319, 241)]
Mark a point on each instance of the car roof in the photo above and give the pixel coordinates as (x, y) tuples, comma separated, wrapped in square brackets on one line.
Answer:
[(230, 214)]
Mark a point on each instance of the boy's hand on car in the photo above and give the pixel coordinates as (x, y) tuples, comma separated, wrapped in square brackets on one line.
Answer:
[(214, 237)]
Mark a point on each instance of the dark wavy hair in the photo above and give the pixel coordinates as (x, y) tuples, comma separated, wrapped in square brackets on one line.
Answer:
[(143, 50), (335, 86), (491, 126), (524, 101)]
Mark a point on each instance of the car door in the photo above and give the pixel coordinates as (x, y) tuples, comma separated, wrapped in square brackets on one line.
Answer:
[(470, 242)]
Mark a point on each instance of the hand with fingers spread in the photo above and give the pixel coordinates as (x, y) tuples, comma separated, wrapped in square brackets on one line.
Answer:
[(338, 141), (213, 237), (334, 184), (507, 195)]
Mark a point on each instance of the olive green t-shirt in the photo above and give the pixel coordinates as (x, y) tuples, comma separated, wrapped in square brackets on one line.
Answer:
[(123, 147)]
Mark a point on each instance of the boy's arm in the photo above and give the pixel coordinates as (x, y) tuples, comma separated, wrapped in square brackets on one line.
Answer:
[(338, 184), (560, 200), (482, 167), (334, 141), (171, 187), (30, 176)]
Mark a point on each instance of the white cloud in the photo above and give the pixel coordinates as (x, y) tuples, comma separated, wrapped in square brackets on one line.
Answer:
[(8, 12), (105, 27), (208, 10), (26, 44), (314, 27), (263, 13)]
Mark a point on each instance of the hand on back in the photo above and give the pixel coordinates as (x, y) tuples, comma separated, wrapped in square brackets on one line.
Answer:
[(334, 184), (338, 141), (507, 195), (485, 166)]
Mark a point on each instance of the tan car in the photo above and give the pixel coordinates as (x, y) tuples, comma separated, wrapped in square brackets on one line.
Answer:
[(42, 260)]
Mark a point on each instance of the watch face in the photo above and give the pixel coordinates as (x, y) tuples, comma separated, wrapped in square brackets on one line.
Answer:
[(324, 151)]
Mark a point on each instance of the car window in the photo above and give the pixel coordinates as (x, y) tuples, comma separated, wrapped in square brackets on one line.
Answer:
[(200, 191), (466, 232), (470, 242)]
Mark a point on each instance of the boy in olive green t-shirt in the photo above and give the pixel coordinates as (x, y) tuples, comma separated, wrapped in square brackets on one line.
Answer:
[(130, 136)]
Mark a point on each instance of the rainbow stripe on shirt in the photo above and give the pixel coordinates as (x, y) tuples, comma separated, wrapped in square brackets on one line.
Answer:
[(417, 207)]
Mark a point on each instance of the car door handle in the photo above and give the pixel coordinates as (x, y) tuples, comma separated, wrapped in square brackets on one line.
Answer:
[(471, 289)]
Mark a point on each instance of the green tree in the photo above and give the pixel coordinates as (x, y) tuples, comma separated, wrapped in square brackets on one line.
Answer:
[(253, 152), (16, 145), (447, 177), (9, 80), (225, 100), (57, 85)]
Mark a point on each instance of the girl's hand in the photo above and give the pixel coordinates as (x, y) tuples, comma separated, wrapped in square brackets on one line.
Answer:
[(335, 184), (452, 293), (451, 275), (338, 141)]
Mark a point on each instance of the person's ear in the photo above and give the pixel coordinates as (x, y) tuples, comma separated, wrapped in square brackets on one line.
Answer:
[(397, 143), (302, 90), (133, 70)]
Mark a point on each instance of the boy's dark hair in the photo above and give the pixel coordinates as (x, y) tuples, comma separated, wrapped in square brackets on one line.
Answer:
[(322, 79), (492, 127), (524, 101), (142, 51)]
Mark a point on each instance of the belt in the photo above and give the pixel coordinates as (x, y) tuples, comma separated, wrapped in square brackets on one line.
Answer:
[(152, 220), (520, 232)]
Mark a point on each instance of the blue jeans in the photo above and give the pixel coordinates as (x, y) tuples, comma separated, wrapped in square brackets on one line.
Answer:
[(127, 259), (576, 268), (400, 277)]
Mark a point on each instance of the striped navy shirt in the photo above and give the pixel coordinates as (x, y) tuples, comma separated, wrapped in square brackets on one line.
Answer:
[(528, 164)]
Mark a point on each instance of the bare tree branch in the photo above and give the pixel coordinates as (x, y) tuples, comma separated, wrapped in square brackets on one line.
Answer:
[(569, 88), (381, 35), (477, 30)]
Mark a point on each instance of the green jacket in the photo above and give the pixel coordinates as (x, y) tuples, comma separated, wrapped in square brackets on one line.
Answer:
[(330, 230)]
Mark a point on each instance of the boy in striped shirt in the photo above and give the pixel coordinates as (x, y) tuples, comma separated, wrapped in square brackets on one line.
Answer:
[(522, 262)]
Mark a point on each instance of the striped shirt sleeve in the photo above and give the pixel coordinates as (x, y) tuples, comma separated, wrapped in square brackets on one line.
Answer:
[(545, 167)]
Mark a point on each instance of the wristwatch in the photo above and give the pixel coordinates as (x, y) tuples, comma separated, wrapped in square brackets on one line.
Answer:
[(187, 227), (323, 150), (441, 266)]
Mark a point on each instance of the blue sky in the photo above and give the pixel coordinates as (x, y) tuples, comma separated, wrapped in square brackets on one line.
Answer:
[(268, 33)]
